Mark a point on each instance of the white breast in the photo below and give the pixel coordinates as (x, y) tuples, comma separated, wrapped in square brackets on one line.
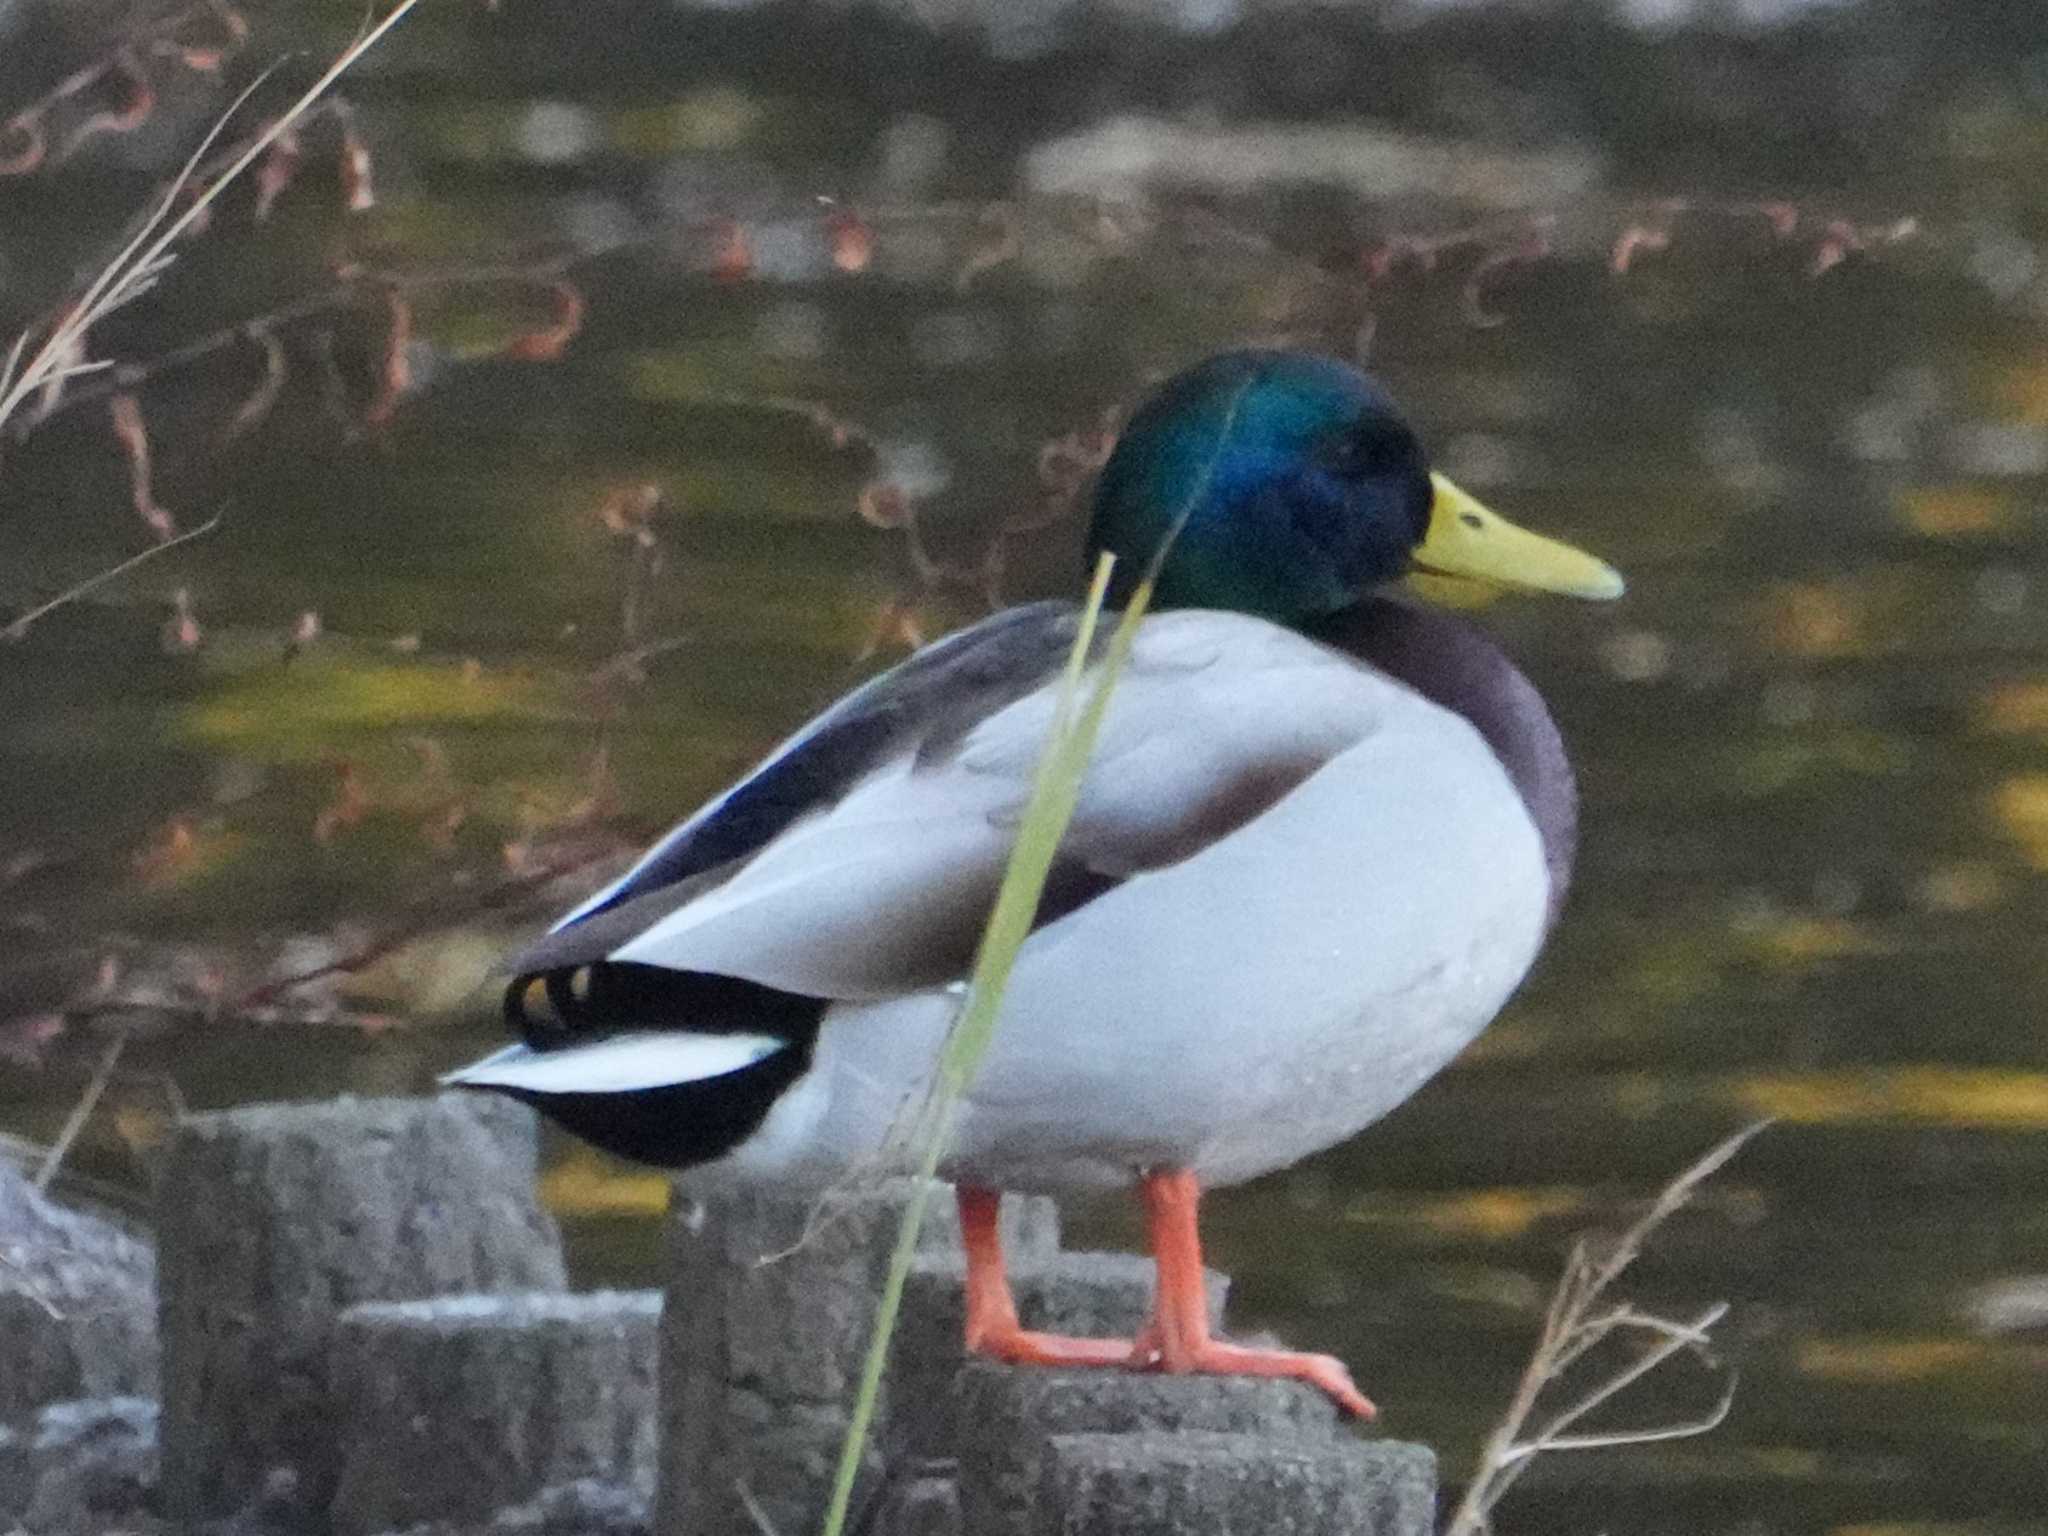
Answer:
[(1231, 1013)]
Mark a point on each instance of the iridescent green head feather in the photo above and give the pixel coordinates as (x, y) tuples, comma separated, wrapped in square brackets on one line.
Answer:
[(1295, 487)]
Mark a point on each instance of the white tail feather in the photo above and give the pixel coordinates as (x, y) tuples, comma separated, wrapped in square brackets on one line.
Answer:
[(625, 1063)]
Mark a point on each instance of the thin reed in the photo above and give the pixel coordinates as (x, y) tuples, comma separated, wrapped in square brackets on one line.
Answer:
[(1055, 791), (1581, 1318), (142, 261)]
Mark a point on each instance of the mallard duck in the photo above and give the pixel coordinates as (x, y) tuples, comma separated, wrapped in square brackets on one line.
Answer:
[(1324, 832)]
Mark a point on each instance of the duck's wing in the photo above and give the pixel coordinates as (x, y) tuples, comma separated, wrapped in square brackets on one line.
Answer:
[(923, 706), (861, 859)]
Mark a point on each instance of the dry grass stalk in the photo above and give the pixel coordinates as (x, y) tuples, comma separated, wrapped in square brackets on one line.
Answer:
[(27, 1285), (62, 355), (1580, 1318), (20, 625), (27, 1156), (81, 1112), (138, 265)]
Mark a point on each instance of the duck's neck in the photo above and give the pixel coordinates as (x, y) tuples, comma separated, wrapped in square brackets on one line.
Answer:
[(1453, 664)]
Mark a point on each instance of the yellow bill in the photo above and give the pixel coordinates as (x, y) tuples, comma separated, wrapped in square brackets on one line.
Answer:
[(1467, 540)]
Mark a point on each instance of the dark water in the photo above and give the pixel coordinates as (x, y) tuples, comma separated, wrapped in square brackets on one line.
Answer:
[(1812, 738)]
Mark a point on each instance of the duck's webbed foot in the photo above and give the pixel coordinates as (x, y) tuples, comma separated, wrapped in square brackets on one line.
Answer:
[(992, 1326), (1178, 1339), (1208, 1356), (1024, 1346)]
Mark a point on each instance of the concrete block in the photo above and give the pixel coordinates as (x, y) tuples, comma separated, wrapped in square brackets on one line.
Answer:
[(926, 1505), (768, 1317), (1093, 1295), (453, 1408), (88, 1466), (587, 1507), (768, 1312), (1098, 1294), (273, 1220), (771, 1302), (1202, 1483), (1009, 1414), (77, 1304), (16, 1475)]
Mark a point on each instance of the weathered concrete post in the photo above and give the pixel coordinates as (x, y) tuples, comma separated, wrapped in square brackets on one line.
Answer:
[(77, 1304), (760, 1359), (1113, 1453), (769, 1308), (454, 1408), (1205, 1483), (1090, 1295), (274, 1219)]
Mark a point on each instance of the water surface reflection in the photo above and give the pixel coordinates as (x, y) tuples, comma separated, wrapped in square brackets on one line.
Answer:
[(678, 451)]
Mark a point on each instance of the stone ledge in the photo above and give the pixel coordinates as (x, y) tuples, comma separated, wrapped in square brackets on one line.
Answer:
[(1009, 1415), (77, 1304), (275, 1218), (449, 1410), (1202, 1483), (81, 1466), (1092, 1295)]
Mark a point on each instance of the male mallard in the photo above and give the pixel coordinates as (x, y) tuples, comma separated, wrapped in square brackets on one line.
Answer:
[(1322, 837)]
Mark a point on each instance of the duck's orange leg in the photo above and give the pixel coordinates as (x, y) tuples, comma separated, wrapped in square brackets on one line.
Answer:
[(992, 1326), (1177, 1339)]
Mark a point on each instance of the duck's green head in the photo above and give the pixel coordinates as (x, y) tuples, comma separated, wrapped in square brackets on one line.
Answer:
[(1296, 487)]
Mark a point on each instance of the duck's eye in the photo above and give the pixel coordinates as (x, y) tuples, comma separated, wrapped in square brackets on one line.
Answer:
[(1471, 519), (1353, 454), (1370, 449)]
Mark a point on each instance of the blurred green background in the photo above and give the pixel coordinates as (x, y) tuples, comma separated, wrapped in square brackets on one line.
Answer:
[(678, 366)]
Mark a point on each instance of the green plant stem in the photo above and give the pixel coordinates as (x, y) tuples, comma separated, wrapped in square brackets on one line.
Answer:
[(1055, 792)]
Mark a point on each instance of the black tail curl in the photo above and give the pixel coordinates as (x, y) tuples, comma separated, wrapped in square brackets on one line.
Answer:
[(673, 1125), (608, 996)]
